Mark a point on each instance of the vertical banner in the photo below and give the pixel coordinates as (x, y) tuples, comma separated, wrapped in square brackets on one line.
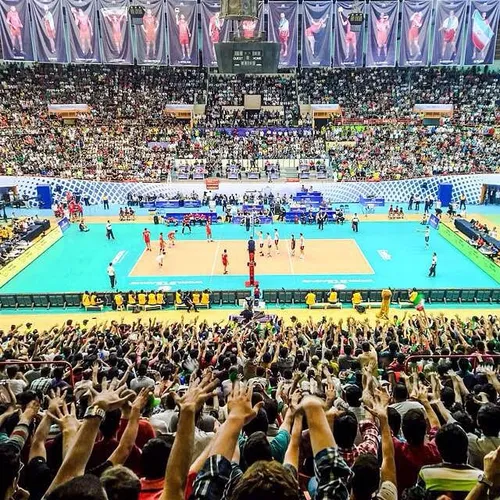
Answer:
[(283, 28), (15, 30), (214, 30), (482, 31), (81, 18), (151, 36), (115, 32), (317, 34), (182, 33), (348, 44), (449, 32), (382, 33), (48, 31), (414, 43)]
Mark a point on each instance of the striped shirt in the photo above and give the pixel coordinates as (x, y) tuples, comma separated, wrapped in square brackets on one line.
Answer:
[(452, 480)]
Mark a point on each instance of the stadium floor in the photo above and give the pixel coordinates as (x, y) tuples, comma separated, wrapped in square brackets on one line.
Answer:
[(382, 254)]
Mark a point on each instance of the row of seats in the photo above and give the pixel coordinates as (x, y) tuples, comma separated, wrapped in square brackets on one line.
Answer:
[(64, 300)]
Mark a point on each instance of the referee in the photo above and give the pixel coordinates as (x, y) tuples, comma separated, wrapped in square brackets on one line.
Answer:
[(251, 248), (111, 275)]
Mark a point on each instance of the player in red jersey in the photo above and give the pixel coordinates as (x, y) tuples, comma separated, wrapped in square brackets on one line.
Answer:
[(15, 29), (225, 261), (171, 238), (184, 34), (162, 243), (314, 28), (147, 238), (208, 230), (150, 28)]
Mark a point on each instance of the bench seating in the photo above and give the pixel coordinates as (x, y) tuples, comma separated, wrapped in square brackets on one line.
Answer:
[(99, 307), (326, 305)]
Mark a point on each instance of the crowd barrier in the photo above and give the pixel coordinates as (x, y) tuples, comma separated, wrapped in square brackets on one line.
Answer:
[(271, 297)]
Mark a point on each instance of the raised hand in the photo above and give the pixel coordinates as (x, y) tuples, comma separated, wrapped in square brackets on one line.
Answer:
[(196, 395), (65, 418), (239, 403), (110, 399)]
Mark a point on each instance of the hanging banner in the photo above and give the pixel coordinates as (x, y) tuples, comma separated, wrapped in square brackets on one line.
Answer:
[(182, 33), (449, 31), (82, 30), (151, 36), (414, 42), (482, 31), (115, 32), (348, 44), (283, 28), (382, 33), (15, 30), (48, 31), (214, 30), (317, 34)]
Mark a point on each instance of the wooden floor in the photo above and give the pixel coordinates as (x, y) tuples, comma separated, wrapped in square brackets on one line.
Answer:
[(200, 258)]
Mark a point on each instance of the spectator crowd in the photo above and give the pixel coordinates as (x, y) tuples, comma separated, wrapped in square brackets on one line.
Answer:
[(277, 410)]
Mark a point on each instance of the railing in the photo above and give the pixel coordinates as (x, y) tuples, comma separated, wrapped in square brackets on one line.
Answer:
[(41, 363), (373, 297)]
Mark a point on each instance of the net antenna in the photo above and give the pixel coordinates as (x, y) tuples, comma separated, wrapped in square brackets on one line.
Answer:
[(356, 16)]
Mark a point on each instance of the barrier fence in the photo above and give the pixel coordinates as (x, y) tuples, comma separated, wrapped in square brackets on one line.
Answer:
[(271, 297)]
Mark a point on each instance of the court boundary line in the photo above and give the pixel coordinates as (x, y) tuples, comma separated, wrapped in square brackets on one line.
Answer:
[(214, 263), (137, 262), (364, 257)]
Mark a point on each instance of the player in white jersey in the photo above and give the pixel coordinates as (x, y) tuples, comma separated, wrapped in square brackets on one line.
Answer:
[(269, 242), (276, 240), (301, 245), (261, 244)]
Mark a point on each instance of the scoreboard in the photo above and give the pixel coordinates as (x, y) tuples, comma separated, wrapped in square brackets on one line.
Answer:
[(247, 57)]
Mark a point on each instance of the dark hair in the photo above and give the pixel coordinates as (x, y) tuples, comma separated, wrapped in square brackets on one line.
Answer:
[(400, 392), (257, 448), (259, 423), (9, 464), (488, 419), (345, 429), (347, 349), (353, 396), (366, 478), (394, 418), (414, 427), (452, 443), (87, 487), (109, 426), (155, 455)]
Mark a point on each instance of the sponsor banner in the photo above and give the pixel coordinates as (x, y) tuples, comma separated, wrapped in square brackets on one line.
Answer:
[(182, 33), (152, 35), (83, 38), (434, 221), (317, 34), (414, 43), (64, 224), (449, 32), (15, 31), (283, 28), (382, 33), (348, 44), (25, 259), (482, 32), (483, 262), (48, 31), (115, 32), (214, 29)]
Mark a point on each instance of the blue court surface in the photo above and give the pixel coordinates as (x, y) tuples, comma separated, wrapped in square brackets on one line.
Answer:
[(395, 251)]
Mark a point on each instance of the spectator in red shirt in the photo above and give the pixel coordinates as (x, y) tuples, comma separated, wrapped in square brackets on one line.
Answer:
[(155, 456)]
